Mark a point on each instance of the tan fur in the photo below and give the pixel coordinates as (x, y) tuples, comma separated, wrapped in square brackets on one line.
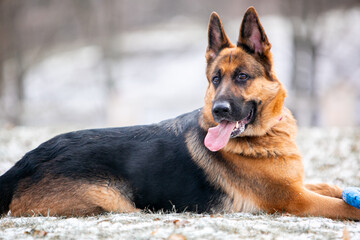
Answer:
[(64, 197), (325, 189), (262, 169), (109, 199)]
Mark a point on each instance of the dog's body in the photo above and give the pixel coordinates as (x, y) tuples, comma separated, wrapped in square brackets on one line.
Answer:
[(237, 153), (144, 166)]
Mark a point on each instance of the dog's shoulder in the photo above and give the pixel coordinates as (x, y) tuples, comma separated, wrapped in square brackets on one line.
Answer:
[(181, 124)]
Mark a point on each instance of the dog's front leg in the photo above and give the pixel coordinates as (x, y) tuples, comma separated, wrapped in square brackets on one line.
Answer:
[(309, 203), (325, 189)]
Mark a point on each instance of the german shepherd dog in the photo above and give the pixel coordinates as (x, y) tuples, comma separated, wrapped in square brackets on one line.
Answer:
[(236, 154)]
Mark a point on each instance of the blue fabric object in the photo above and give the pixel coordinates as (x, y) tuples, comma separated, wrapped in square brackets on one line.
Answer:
[(351, 196)]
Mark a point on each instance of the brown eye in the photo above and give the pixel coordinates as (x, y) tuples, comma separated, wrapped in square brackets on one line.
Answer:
[(242, 77), (215, 80)]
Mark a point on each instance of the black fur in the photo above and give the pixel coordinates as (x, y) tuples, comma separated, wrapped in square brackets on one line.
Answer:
[(238, 108), (152, 160)]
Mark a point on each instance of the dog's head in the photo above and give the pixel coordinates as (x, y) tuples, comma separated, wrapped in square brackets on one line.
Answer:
[(244, 97)]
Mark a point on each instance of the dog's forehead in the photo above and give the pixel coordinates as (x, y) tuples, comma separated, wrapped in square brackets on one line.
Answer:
[(236, 58)]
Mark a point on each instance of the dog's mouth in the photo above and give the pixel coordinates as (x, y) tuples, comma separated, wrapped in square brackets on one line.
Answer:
[(241, 125), (217, 137)]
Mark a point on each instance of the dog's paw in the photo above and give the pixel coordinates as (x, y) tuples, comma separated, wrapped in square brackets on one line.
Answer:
[(351, 196)]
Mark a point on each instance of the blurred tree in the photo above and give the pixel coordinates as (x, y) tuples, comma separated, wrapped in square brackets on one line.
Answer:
[(304, 15), (12, 48)]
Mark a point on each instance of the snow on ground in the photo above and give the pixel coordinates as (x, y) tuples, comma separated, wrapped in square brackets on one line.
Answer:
[(187, 226), (331, 156)]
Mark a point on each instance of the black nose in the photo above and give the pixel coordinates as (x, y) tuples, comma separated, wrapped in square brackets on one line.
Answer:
[(221, 110)]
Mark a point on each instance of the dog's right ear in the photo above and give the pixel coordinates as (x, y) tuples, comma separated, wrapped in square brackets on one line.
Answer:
[(217, 38)]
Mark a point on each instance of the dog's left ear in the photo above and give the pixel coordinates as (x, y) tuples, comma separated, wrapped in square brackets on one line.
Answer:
[(252, 36)]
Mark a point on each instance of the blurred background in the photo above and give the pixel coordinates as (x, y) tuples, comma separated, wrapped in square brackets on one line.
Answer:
[(118, 62)]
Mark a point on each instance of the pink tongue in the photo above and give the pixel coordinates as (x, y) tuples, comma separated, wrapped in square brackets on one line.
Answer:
[(217, 137)]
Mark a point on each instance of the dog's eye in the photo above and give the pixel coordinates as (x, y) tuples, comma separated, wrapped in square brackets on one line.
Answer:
[(215, 80), (242, 77)]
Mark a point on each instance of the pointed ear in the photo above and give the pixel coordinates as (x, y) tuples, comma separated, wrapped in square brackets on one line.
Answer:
[(217, 38), (252, 35)]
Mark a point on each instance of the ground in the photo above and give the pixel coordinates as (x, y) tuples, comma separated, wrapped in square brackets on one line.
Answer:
[(331, 155)]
